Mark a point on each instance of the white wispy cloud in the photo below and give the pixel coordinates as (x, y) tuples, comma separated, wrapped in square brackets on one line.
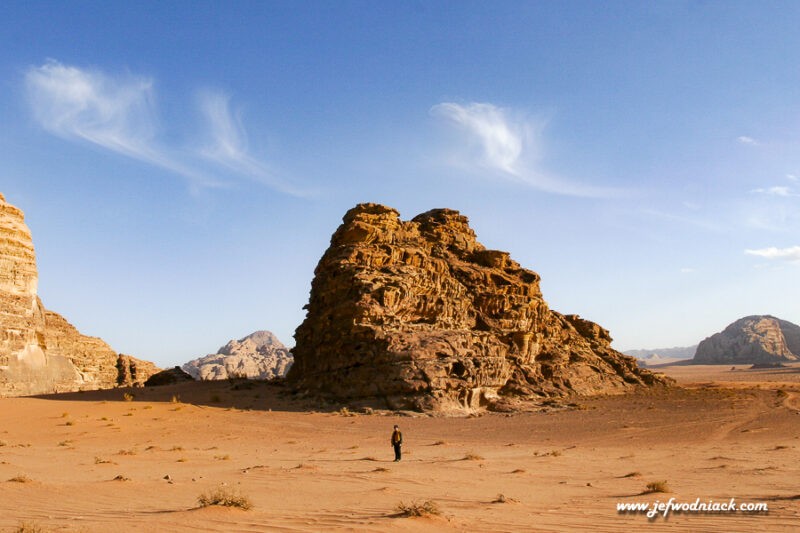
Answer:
[(228, 146), (510, 146), (744, 139), (687, 270), (119, 113), (776, 191), (791, 177), (790, 254)]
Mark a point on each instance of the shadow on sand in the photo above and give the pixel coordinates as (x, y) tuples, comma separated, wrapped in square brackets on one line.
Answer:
[(243, 394)]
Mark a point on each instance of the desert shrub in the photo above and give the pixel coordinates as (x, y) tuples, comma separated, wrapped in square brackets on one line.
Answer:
[(128, 397), (20, 478), (27, 527), (426, 508), (472, 457), (656, 486), (225, 497), (633, 474)]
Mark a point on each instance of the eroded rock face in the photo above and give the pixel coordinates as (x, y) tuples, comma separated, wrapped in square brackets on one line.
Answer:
[(751, 340), (420, 315), (260, 355), (40, 352)]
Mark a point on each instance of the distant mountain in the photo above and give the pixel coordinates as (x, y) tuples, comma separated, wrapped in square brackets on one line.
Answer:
[(753, 339), (259, 355), (682, 352)]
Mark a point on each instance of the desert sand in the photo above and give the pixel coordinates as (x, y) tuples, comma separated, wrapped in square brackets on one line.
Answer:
[(104, 461)]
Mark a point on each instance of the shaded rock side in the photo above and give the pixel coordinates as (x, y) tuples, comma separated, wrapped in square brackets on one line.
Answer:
[(40, 352), (259, 355), (419, 315), (752, 340), (168, 377)]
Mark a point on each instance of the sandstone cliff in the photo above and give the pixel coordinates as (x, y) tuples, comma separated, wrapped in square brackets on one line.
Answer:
[(260, 355), (420, 315), (40, 352), (750, 340)]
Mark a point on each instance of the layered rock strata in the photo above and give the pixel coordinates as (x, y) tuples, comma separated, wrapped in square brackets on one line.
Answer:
[(418, 314), (753, 339), (40, 352), (259, 355)]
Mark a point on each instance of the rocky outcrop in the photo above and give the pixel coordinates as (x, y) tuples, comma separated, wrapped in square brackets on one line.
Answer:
[(260, 355), (40, 352), (751, 340), (168, 377), (419, 315)]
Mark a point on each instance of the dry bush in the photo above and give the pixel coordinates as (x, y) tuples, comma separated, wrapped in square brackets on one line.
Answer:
[(656, 486), (128, 397), (175, 398), (120, 477), (225, 457), (633, 474), (472, 457), (426, 508), (127, 452), (502, 498), (101, 461), (20, 478), (225, 497), (344, 411), (27, 527), (518, 471), (439, 443), (381, 469)]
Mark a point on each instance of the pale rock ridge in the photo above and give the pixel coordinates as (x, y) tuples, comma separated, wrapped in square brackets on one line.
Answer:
[(40, 352), (420, 315), (750, 340), (259, 355)]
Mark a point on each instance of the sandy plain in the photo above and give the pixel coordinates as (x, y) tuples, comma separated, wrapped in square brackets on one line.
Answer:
[(96, 461)]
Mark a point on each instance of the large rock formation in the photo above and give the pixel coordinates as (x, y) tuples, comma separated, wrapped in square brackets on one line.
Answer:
[(40, 352), (751, 340), (420, 315), (260, 355)]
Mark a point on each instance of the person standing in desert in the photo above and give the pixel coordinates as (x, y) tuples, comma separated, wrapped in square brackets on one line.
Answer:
[(397, 442)]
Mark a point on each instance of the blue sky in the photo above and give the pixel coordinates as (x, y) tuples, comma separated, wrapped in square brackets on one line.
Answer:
[(182, 165)]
